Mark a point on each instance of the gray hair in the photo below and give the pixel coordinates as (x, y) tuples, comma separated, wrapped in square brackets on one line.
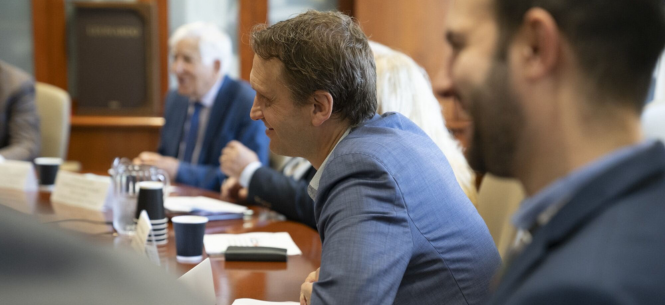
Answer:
[(213, 43)]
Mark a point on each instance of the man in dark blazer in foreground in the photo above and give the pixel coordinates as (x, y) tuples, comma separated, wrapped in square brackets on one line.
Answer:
[(207, 111), (555, 89), (284, 191), (19, 121)]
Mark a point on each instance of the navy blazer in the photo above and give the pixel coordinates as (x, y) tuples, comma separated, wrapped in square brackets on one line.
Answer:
[(605, 246), (228, 120), (272, 189), (395, 226)]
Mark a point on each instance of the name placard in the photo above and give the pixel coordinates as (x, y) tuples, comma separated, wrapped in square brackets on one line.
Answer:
[(87, 191), (140, 239), (17, 175)]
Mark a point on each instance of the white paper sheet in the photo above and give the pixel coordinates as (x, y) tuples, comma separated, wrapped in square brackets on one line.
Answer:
[(205, 204), (257, 302), (217, 243), (199, 281)]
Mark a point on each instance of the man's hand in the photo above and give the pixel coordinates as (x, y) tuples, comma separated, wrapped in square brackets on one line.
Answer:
[(232, 191), (168, 164), (306, 287), (235, 157)]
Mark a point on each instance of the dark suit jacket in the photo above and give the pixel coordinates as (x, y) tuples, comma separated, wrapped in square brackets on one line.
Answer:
[(605, 246), (229, 120), (271, 189), (19, 121), (42, 264)]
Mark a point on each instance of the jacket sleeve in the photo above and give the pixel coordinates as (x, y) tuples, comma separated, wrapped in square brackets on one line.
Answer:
[(208, 177), (23, 125), (273, 190), (365, 233)]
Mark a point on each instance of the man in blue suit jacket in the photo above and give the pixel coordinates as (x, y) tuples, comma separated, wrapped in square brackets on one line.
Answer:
[(208, 110), (555, 89), (395, 226)]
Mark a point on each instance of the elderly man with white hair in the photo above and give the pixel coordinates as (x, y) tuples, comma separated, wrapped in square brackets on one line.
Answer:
[(208, 110)]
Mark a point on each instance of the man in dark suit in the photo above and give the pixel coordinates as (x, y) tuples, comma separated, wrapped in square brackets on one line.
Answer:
[(555, 89), (208, 110), (19, 122), (284, 191)]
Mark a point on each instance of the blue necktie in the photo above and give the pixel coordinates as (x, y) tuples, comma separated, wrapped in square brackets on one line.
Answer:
[(193, 134)]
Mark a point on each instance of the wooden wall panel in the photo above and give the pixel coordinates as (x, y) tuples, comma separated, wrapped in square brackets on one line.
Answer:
[(50, 42), (415, 28), (96, 141), (252, 12)]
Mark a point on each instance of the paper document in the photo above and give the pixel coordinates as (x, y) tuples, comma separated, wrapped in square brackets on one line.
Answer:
[(201, 204), (217, 243), (199, 281), (257, 302)]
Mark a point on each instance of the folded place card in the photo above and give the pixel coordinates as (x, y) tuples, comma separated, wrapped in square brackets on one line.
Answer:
[(87, 191), (143, 230), (257, 302), (199, 281), (17, 175), (218, 243)]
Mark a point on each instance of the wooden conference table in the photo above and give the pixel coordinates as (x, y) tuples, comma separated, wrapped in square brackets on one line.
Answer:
[(269, 281)]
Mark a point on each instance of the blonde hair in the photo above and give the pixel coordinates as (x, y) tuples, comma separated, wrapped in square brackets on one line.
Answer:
[(404, 87)]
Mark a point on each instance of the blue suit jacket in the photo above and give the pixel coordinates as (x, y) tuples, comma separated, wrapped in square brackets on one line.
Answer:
[(229, 120), (605, 246), (396, 227)]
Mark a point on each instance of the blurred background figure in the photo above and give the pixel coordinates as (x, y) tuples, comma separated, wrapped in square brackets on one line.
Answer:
[(208, 110), (19, 121), (402, 86)]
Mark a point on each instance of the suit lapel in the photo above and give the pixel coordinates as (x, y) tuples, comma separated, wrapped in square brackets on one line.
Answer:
[(588, 203), (222, 102)]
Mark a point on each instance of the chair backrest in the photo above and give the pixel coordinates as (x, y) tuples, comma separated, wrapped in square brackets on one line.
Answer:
[(653, 120), (498, 199), (53, 107)]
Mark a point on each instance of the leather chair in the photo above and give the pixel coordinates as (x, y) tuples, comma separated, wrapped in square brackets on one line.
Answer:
[(53, 107)]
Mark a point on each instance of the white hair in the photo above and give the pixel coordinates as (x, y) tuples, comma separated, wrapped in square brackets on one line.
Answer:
[(213, 43), (404, 87)]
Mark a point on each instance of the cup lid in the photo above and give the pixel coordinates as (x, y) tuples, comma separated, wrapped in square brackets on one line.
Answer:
[(48, 161), (151, 185), (189, 219)]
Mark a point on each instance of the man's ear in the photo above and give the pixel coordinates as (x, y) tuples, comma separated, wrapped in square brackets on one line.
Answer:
[(321, 107), (217, 65), (540, 45)]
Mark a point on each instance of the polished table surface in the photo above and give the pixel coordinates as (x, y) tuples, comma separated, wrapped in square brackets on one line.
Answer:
[(269, 281)]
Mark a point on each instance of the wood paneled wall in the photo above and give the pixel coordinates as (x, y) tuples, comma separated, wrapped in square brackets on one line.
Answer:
[(252, 12), (415, 28)]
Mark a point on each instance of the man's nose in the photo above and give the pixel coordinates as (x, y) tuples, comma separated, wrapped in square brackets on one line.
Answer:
[(176, 66), (256, 113), (443, 83)]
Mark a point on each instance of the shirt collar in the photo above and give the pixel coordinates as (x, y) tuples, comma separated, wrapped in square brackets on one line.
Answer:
[(209, 98), (313, 187), (538, 209)]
